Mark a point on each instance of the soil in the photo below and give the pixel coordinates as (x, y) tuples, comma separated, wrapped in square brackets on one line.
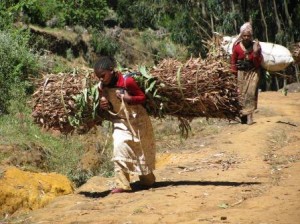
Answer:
[(238, 174)]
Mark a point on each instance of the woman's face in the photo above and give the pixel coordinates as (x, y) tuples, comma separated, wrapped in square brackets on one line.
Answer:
[(104, 75), (246, 38)]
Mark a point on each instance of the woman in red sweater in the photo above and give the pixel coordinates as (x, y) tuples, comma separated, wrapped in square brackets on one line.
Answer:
[(245, 63), (133, 137)]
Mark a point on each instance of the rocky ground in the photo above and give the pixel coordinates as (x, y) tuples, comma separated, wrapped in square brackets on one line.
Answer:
[(236, 174)]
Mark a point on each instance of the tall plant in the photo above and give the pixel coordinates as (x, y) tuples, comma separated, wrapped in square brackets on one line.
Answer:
[(88, 13), (17, 62), (33, 11)]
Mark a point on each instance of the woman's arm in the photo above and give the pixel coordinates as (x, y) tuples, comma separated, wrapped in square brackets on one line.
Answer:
[(234, 58), (133, 93), (257, 55)]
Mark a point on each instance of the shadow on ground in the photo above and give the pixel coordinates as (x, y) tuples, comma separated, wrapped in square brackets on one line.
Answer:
[(137, 187)]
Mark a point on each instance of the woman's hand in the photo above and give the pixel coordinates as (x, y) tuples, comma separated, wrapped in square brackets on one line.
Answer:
[(256, 47), (104, 104), (124, 94)]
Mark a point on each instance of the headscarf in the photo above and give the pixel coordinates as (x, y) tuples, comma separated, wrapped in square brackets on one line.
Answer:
[(244, 28)]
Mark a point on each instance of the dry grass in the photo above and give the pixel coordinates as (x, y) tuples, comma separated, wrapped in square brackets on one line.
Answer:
[(266, 111), (168, 137), (276, 157), (60, 33)]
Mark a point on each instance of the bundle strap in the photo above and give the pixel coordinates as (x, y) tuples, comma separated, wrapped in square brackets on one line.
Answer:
[(124, 108)]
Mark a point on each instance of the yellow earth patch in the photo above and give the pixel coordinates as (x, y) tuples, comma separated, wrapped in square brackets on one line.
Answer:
[(22, 190)]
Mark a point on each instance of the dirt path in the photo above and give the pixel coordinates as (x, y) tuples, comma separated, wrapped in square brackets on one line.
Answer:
[(241, 174)]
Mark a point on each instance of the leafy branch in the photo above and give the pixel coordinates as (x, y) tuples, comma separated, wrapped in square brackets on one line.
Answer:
[(87, 103)]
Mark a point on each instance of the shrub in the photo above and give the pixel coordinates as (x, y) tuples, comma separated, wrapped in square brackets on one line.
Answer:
[(103, 44), (6, 20), (35, 11), (86, 12), (62, 153), (70, 54), (17, 62), (137, 14), (163, 47)]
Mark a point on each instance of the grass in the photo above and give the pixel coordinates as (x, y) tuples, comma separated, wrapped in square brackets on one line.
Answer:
[(168, 127), (3, 155), (167, 133), (137, 211), (63, 34), (104, 145), (207, 126), (278, 139), (266, 111), (63, 153)]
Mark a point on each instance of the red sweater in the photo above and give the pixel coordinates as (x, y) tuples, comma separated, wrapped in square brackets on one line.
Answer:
[(131, 86), (238, 53)]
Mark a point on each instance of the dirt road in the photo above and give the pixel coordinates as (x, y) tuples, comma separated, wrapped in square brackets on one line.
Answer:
[(237, 174)]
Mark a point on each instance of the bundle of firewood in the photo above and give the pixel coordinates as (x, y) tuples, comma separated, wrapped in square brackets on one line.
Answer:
[(54, 101), (197, 88)]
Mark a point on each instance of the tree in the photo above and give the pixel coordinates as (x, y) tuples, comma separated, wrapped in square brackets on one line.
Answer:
[(88, 13)]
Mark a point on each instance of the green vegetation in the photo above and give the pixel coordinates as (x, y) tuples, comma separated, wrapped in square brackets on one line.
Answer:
[(104, 44), (17, 64), (88, 97), (136, 32), (56, 13), (86, 12), (63, 152), (190, 22)]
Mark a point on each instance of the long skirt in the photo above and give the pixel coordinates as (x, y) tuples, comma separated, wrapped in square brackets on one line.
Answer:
[(133, 137), (248, 89)]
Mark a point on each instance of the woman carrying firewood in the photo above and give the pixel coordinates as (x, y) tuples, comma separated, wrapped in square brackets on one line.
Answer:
[(133, 137), (245, 62)]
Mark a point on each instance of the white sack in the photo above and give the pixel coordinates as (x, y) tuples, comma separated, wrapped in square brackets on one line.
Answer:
[(276, 57)]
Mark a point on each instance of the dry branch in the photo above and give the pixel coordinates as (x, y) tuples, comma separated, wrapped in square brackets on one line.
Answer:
[(53, 102), (197, 88)]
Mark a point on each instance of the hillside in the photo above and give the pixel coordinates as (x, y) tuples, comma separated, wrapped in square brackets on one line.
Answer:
[(227, 173)]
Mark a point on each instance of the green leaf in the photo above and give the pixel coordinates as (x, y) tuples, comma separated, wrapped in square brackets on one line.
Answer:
[(95, 106), (76, 97), (85, 94), (143, 71), (223, 205), (151, 86), (96, 98), (178, 76)]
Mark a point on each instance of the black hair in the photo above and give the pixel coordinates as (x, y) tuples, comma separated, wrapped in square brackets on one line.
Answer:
[(105, 63)]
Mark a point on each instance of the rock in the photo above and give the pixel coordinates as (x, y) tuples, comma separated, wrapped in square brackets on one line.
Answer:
[(23, 191)]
